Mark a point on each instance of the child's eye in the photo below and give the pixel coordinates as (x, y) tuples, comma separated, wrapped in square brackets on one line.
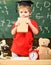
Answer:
[(21, 12), (25, 11)]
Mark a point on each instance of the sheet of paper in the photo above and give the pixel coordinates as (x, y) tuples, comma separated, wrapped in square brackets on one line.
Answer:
[(23, 27)]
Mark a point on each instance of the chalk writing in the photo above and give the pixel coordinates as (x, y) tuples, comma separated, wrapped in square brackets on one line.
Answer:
[(8, 25), (0, 7), (39, 16), (46, 4), (2, 23), (49, 15), (4, 1)]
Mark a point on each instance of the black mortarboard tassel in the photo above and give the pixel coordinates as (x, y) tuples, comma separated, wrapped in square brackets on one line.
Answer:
[(25, 2)]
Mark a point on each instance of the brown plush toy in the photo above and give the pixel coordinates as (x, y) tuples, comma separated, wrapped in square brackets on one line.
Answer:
[(44, 50)]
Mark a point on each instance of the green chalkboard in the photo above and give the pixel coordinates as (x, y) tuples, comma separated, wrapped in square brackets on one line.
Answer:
[(41, 12)]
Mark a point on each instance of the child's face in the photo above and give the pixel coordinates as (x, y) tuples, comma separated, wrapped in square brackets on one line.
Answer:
[(23, 12)]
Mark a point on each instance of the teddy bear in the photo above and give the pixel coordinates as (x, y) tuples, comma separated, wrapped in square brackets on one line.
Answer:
[(44, 50)]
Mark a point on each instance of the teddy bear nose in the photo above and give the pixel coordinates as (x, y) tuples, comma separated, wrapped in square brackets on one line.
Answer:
[(43, 42)]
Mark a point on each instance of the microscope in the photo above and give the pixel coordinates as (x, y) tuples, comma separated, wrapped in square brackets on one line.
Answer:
[(3, 48)]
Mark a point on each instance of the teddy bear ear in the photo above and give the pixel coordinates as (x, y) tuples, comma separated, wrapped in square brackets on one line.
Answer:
[(48, 41), (40, 39)]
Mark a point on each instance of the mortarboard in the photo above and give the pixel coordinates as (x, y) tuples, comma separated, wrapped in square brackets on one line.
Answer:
[(25, 2)]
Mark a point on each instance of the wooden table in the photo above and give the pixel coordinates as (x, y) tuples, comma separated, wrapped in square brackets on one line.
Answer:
[(25, 62)]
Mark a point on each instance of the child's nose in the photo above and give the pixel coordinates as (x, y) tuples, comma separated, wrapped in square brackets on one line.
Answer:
[(23, 14)]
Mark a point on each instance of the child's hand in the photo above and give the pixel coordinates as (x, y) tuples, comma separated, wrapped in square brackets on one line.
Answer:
[(17, 23), (28, 22)]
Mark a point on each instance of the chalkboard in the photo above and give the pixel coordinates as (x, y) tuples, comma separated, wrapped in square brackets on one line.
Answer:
[(41, 12)]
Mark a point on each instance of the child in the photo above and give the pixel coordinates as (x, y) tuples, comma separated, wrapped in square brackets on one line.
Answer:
[(22, 42)]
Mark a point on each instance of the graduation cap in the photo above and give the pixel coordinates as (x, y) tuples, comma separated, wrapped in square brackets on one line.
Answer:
[(25, 2)]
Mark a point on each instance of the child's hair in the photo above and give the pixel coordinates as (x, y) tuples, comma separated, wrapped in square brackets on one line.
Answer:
[(28, 7)]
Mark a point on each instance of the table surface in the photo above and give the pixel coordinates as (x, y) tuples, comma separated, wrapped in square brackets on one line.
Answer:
[(24, 61)]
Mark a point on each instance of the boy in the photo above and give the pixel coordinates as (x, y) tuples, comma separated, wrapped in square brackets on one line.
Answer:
[(22, 42)]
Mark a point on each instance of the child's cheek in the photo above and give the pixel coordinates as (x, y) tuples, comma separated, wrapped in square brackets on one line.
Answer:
[(27, 14)]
